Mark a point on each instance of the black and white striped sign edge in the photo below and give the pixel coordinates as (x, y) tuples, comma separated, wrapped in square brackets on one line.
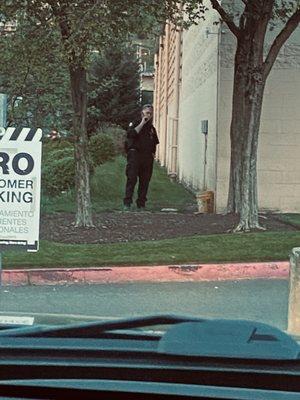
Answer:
[(20, 134)]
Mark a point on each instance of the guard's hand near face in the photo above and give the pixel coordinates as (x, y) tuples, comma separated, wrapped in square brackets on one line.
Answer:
[(141, 124), (144, 120)]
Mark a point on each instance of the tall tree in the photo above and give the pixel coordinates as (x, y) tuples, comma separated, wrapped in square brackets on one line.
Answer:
[(249, 21), (84, 25), (114, 91)]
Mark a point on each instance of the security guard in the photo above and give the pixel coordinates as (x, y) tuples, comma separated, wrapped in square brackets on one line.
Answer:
[(140, 147)]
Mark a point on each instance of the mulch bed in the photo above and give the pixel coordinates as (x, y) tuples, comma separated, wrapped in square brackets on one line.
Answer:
[(116, 227)]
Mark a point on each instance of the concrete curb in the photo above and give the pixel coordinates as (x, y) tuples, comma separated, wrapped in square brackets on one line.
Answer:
[(171, 273)]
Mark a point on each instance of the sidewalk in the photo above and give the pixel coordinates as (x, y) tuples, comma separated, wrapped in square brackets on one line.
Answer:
[(165, 273)]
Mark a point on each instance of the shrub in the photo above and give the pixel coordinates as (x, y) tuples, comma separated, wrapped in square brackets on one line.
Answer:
[(59, 154), (58, 175), (101, 149), (117, 134), (52, 146)]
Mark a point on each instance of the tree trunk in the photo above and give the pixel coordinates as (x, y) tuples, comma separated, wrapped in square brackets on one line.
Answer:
[(246, 111), (79, 100)]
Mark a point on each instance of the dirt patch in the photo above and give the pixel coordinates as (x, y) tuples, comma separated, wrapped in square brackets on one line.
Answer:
[(125, 227)]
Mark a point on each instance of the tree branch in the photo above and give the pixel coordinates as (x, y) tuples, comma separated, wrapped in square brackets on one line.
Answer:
[(84, 18), (225, 17), (279, 41)]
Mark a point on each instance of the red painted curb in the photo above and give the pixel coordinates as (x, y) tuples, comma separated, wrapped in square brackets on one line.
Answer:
[(171, 273)]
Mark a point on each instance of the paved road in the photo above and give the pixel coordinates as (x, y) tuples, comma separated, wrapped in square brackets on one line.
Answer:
[(262, 300)]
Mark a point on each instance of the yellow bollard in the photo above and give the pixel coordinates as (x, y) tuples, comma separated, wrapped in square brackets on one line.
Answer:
[(205, 202)]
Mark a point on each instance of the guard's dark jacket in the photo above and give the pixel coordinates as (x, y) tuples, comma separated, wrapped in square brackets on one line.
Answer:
[(145, 141), (140, 148)]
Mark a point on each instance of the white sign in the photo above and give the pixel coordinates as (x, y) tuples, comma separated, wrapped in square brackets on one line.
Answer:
[(20, 187)]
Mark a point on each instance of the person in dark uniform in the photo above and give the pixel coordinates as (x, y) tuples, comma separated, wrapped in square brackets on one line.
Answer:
[(140, 147)]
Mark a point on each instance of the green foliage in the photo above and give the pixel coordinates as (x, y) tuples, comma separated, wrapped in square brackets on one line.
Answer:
[(58, 167), (58, 175), (56, 144), (101, 149), (35, 77), (117, 134), (50, 146), (84, 25), (52, 37), (59, 154), (114, 87), (232, 11)]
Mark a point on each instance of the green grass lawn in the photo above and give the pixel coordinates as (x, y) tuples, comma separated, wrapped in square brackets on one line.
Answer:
[(267, 246), (107, 188), (291, 218)]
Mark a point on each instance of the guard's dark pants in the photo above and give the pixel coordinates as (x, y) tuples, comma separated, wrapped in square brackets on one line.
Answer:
[(139, 165)]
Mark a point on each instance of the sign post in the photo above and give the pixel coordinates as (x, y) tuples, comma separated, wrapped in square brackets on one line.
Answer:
[(20, 187), (3, 109)]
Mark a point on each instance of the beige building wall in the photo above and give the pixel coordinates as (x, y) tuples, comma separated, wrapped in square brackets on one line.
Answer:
[(206, 56), (166, 93), (161, 110), (198, 101), (279, 141)]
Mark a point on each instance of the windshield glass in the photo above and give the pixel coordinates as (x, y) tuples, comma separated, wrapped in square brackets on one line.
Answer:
[(149, 164)]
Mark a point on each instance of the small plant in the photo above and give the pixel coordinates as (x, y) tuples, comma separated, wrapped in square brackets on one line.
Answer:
[(101, 149), (53, 146), (58, 175), (117, 134)]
